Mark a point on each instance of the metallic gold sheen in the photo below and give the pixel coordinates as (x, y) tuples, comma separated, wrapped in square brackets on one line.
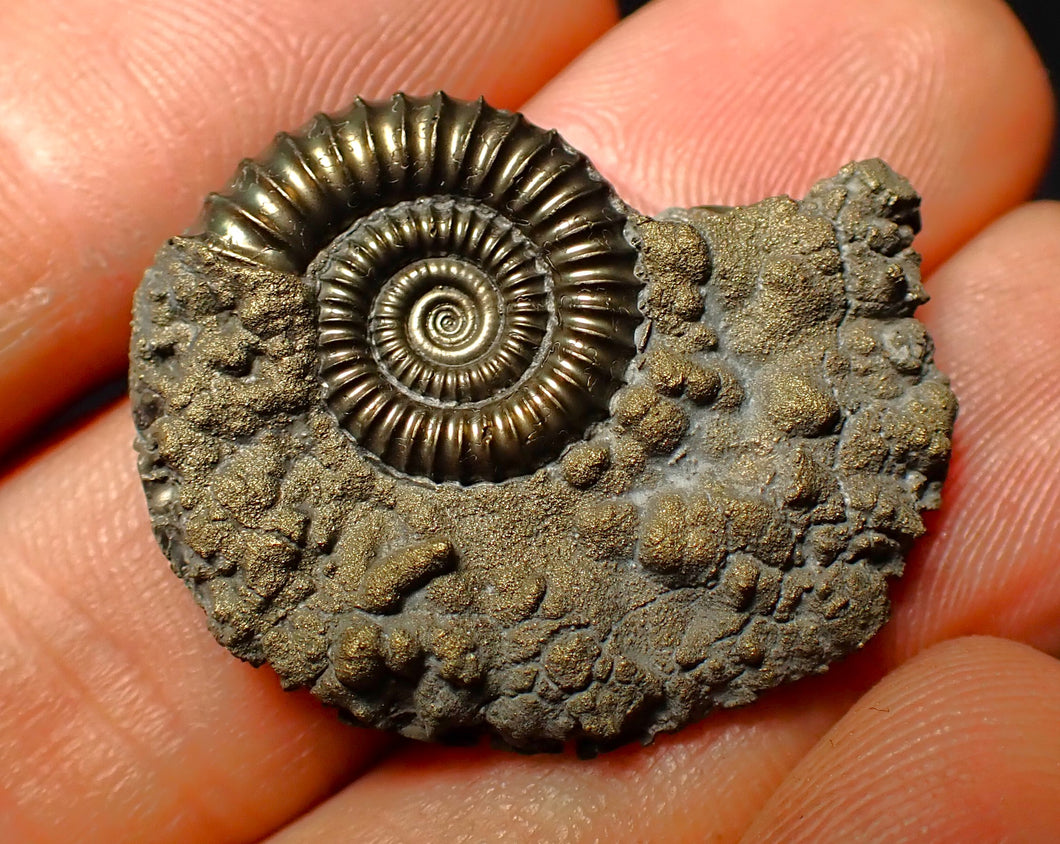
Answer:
[(478, 296)]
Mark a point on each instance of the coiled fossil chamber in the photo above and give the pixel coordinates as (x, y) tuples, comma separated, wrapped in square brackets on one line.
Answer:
[(432, 422), (477, 294)]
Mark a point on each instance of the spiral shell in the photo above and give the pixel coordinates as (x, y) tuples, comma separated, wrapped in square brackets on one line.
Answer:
[(477, 293)]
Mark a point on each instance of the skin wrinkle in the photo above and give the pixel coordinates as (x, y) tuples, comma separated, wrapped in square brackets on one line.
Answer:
[(710, 757), (9, 493), (136, 747), (440, 35), (963, 699), (989, 473), (21, 314), (967, 601), (128, 674), (12, 812)]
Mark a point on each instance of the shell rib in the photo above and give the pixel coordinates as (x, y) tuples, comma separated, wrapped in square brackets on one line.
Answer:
[(477, 293)]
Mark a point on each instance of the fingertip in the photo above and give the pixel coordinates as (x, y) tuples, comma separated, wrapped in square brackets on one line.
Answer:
[(120, 716), (994, 311), (706, 781), (960, 744), (727, 102)]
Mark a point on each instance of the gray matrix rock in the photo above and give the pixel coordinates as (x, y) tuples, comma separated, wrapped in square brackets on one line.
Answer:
[(436, 426)]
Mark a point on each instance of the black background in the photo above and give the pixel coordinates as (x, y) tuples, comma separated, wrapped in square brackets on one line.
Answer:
[(1039, 16)]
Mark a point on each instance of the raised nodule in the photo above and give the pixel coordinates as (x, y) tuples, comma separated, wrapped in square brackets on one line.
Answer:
[(435, 425)]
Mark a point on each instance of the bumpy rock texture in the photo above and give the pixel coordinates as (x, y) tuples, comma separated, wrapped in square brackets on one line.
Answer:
[(731, 526)]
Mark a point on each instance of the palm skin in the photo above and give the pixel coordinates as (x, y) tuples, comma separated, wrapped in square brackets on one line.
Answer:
[(120, 717)]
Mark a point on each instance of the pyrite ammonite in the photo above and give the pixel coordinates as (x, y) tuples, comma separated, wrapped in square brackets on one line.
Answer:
[(434, 424)]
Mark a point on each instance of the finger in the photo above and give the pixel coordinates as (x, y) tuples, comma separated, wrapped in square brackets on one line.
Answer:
[(708, 781), (960, 744), (120, 717), (729, 101), (117, 118), (989, 561)]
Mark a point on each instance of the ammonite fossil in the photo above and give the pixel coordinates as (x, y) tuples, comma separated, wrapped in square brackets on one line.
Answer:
[(434, 424)]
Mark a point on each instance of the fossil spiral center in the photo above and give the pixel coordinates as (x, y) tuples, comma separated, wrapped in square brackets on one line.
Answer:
[(447, 310), (434, 304)]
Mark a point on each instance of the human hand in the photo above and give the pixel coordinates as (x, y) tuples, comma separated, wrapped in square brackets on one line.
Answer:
[(121, 718)]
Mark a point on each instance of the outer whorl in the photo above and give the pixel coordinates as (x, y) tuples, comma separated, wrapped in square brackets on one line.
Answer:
[(477, 293)]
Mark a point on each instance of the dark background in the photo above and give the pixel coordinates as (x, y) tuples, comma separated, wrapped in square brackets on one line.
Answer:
[(1039, 18)]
